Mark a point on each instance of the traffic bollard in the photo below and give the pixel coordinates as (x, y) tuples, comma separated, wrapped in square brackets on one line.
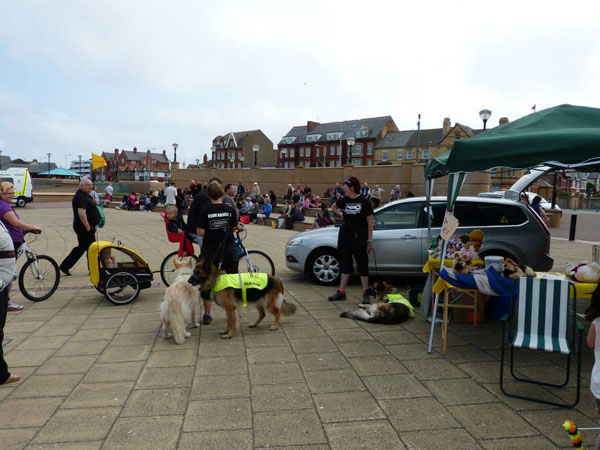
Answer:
[(573, 226)]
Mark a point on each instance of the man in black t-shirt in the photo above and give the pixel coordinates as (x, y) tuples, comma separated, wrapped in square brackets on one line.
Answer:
[(85, 220)]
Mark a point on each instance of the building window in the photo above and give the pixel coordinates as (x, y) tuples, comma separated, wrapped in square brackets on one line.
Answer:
[(357, 162), (334, 136), (493, 172), (240, 155), (456, 136), (332, 150), (358, 149), (384, 155), (339, 150), (307, 152), (425, 154), (408, 154), (369, 162), (301, 152), (399, 155), (370, 148), (292, 164), (292, 152), (318, 152)]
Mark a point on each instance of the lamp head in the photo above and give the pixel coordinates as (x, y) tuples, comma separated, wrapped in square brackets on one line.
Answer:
[(350, 141), (485, 114), (255, 148), (175, 145)]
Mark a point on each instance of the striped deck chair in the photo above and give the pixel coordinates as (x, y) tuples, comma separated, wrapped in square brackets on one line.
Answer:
[(542, 318)]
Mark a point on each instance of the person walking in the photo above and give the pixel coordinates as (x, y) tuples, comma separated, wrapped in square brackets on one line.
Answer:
[(355, 238), (85, 219), (8, 270), (15, 227)]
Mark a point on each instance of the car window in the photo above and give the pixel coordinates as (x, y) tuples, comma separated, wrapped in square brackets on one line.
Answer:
[(502, 214), (466, 213), (398, 217)]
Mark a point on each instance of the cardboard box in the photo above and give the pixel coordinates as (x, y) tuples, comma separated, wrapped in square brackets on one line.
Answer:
[(465, 315)]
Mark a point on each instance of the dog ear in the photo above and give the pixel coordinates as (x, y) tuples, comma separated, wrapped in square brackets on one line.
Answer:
[(177, 264)]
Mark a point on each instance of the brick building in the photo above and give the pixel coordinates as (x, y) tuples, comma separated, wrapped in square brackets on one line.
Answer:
[(333, 144), (235, 150), (134, 165)]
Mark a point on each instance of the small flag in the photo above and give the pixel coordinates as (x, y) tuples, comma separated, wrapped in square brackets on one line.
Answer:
[(533, 107), (97, 161)]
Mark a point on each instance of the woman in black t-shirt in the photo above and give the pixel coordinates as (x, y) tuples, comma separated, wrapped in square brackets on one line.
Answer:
[(355, 238), (216, 222)]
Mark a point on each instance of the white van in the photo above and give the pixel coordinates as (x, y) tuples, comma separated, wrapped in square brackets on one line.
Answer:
[(21, 179)]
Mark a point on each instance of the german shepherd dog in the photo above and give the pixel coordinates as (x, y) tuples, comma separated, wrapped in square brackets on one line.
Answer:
[(270, 298), (381, 311), (515, 271)]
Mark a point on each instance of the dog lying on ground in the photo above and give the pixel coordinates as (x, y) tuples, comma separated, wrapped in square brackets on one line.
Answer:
[(514, 271), (181, 304), (261, 290), (390, 308)]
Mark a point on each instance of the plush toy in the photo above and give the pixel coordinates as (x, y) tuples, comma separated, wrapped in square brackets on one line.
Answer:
[(475, 240), (584, 272), (461, 264), (513, 271)]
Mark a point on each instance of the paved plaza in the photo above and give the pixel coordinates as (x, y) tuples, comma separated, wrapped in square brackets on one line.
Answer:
[(101, 376)]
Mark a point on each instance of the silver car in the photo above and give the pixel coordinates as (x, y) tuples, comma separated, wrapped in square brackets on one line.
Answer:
[(400, 239)]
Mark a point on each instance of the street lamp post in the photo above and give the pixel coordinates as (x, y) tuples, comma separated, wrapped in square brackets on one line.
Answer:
[(79, 156), (255, 149), (283, 156), (212, 149), (49, 154), (484, 115), (197, 163), (418, 137), (350, 141), (175, 145)]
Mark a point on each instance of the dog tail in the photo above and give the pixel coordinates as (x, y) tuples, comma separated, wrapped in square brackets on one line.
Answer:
[(177, 322), (360, 314), (288, 309)]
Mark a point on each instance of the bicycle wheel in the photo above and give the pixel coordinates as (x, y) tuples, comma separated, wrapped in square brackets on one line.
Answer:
[(38, 278), (121, 288), (261, 263), (167, 268)]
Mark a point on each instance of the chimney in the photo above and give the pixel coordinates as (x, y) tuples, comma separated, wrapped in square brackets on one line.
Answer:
[(311, 125), (134, 149), (205, 159), (34, 161), (383, 131), (503, 121), (446, 126), (116, 152), (165, 152)]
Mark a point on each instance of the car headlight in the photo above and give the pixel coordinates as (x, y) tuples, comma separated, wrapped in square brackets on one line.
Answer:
[(294, 242)]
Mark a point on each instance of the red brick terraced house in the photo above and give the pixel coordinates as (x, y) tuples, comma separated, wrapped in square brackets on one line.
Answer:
[(333, 144), (134, 165)]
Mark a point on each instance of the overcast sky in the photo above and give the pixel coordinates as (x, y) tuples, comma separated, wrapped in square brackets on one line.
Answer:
[(81, 77)]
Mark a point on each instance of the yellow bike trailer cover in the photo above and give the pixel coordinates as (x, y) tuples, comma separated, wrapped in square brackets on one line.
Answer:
[(137, 261)]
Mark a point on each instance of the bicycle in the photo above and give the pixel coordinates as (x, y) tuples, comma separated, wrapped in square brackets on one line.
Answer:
[(259, 262), (255, 260), (39, 276)]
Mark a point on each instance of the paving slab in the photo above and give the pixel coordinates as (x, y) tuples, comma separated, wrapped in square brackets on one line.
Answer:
[(97, 375)]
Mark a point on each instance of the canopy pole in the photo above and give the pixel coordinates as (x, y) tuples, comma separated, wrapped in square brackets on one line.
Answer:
[(436, 301), (428, 192), (554, 191)]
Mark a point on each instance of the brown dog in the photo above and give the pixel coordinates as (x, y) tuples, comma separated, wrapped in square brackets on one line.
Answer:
[(513, 271), (382, 311), (268, 297)]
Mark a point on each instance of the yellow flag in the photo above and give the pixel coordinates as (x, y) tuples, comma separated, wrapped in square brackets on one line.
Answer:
[(97, 161)]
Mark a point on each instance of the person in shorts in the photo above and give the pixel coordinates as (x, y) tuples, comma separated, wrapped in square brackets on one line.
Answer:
[(355, 238)]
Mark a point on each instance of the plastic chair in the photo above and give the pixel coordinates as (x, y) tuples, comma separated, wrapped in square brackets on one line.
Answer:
[(542, 318)]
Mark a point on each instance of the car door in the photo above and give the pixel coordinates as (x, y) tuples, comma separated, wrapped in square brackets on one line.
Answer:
[(397, 239)]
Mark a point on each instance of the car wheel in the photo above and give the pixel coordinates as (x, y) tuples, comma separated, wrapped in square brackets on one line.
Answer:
[(21, 202), (324, 267)]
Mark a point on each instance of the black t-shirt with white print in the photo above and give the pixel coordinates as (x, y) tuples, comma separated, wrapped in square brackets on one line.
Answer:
[(355, 212), (217, 221)]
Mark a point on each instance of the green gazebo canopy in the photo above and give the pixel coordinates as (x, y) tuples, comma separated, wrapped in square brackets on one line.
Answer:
[(60, 172), (564, 136)]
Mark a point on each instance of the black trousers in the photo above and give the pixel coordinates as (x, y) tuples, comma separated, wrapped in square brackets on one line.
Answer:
[(4, 373), (84, 240), (353, 243)]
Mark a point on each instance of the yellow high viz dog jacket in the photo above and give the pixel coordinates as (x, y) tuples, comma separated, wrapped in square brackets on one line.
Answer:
[(241, 281), (399, 298)]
